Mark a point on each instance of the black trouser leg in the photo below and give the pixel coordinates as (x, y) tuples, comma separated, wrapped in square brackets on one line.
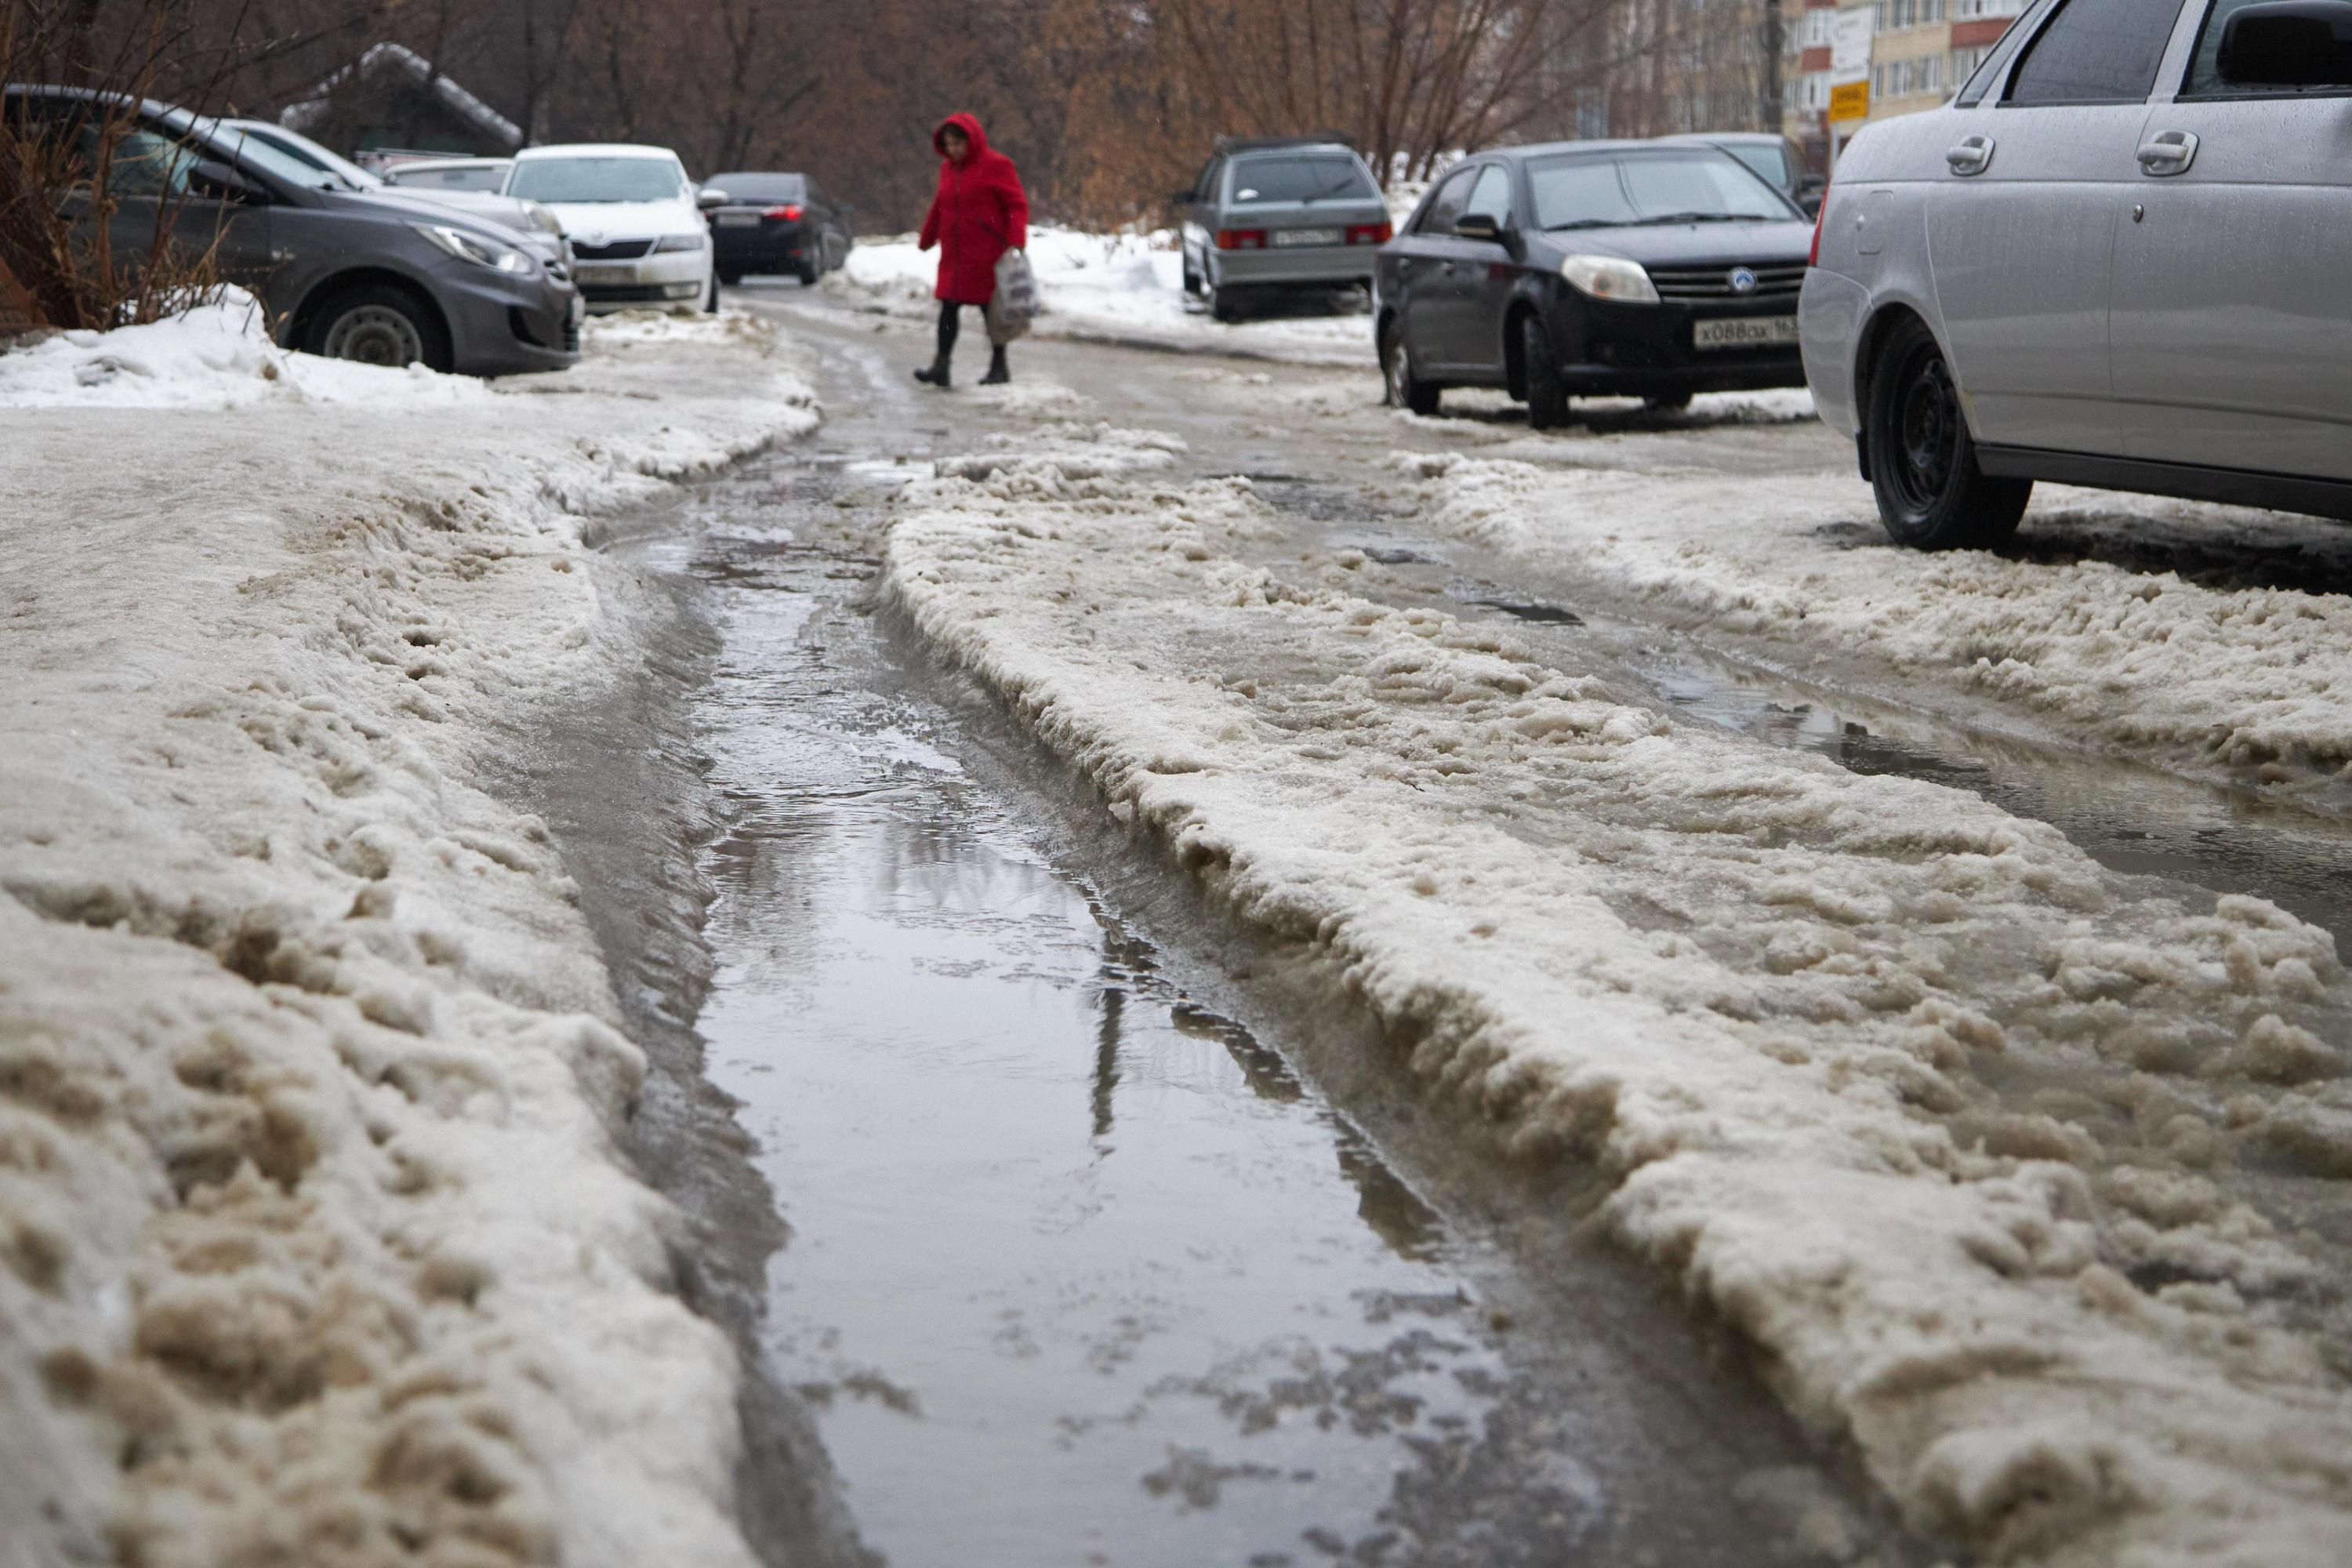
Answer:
[(951, 322)]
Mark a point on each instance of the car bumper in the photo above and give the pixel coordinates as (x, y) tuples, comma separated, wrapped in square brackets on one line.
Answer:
[(1831, 314), (508, 326), (1648, 351), (779, 247), (1324, 266), (669, 280)]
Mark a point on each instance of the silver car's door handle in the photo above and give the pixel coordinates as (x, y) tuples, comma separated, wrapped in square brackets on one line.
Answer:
[(2167, 152), (1972, 156)]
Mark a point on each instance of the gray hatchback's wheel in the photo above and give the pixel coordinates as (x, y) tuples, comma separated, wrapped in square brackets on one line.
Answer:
[(1402, 388), (378, 323), (1221, 301), (1923, 461), (1546, 392)]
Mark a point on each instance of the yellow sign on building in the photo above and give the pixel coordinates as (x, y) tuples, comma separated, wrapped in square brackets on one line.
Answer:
[(1849, 100)]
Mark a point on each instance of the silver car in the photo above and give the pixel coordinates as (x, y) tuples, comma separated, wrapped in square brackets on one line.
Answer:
[(1288, 214), (2118, 258)]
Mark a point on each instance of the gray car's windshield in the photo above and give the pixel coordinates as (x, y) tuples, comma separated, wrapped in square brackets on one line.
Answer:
[(1653, 188), (276, 161), (1771, 164), (597, 180), (1317, 179)]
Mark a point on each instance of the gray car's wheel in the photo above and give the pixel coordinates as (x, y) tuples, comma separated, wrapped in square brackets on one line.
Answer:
[(1402, 388), (1546, 392), (1221, 301), (1923, 461), (379, 324), (710, 298)]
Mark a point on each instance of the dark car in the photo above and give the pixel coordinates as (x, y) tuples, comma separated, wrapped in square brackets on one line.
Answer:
[(777, 223), (370, 276), (1593, 269)]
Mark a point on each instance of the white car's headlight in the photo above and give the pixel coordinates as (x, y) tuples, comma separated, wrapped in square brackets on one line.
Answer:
[(1610, 277), (680, 242), (474, 248)]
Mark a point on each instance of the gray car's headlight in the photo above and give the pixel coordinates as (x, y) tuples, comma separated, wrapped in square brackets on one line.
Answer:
[(474, 248), (1610, 277), (542, 218), (680, 242)]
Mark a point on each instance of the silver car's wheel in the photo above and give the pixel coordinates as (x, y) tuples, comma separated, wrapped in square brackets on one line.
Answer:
[(375, 334), (1923, 461)]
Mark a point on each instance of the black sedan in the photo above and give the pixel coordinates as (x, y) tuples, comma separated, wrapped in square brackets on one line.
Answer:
[(776, 223), (1593, 269)]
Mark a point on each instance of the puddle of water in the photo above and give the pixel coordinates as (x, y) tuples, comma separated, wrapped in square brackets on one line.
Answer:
[(1081, 1272)]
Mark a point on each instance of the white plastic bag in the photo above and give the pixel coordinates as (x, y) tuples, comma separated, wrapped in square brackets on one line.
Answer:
[(1014, 304)]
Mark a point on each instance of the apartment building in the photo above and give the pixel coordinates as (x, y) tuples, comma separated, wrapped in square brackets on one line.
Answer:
[(1919, 54)]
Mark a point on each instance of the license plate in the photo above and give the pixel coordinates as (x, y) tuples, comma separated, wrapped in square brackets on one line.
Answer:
[(1307, 237), (1744, 332), (590, 273), (739, 220)]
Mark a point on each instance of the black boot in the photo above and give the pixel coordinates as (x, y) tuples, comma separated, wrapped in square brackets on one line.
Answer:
[(934, 373), (999, 372)]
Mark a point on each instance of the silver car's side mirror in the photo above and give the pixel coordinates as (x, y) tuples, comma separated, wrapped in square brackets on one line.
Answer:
[(2288, 43)]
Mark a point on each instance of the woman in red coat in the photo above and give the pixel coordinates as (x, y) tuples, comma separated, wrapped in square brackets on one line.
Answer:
[(981, 211)]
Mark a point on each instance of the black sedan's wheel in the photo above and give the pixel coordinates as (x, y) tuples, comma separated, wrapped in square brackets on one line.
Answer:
[(1668, 403), (1923, 461), (1546, 392), (379, 324), (710, 299), (1404, 389)]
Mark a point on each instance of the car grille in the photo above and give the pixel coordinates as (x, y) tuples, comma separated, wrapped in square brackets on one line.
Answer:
[(1777, 282), (626, 251)]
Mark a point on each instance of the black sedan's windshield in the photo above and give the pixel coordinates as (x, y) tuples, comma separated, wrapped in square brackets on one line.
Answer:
[(1695, 186)]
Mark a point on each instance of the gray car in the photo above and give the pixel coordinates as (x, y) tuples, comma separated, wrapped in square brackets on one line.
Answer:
[(2115, 259), (1775, 159), (371, 276), (1280, 213)]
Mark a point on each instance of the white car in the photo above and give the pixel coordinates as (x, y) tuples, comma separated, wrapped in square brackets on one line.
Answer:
[(636, 221)]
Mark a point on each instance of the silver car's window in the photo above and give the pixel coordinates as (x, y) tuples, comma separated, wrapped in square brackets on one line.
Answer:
[(2096, 51), (1492, 194), (1651, 187), (479, 177), (598, 180), (2205, 67), (1446, 205), (1320, 179)]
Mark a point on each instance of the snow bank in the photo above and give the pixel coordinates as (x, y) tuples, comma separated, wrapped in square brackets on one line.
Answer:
[(316, 1242), (215, 356), (1991, 1153), (2195, 677), (1122, 286)]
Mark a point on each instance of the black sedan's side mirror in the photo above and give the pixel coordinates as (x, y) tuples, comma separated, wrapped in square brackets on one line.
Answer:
[(222, 182), (2288, 43), (1480, 226), (711, 198)]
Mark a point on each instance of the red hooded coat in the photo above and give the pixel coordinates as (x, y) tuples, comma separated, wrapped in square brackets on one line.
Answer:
[(981, 211)]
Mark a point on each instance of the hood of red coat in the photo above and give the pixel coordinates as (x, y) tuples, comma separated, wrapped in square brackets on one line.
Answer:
[(970, 127)]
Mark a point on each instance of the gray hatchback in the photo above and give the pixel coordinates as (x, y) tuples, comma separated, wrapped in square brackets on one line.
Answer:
[(1280, 213), (2116, 260)]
